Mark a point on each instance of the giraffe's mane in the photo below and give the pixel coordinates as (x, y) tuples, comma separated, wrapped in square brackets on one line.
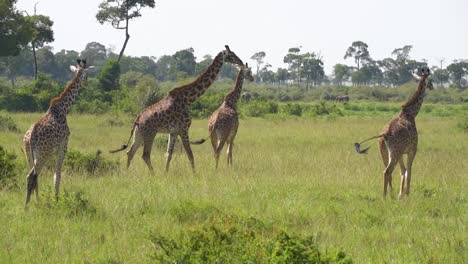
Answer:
[(236, 86), (415, 96), (198, 79), (55, 100)]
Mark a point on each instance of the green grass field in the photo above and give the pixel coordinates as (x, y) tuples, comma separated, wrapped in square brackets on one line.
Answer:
[(300, 176)]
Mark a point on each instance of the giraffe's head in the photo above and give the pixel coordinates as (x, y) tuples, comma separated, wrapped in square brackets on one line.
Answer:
[(425, 72), (81, 70), (231, 57), (247, 72)]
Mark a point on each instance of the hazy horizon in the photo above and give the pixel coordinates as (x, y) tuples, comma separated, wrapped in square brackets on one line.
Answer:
[(434, 28)]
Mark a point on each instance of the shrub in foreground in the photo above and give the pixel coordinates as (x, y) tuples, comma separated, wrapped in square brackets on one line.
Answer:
[(88, 163), (240, 241), (8, 169), (7, 124)]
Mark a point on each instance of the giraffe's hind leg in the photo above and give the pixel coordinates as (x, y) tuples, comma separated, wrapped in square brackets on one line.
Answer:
[(230, 145), (148, 145), (219, 147), (186, 143), (62, 150), (383, 151), (27, 152), (32, 179), (388, 173), (137, 141)]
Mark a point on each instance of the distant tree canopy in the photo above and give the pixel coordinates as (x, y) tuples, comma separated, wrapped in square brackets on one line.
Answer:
[(42, 33), (16, 30), (303, 67)]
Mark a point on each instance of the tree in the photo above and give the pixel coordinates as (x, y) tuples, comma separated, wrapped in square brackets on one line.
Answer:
[(402, 54), (203, 65), (46, 60), (42, 33), (282, 75), (18, 65), (359, 51), (440, 76), (95, 53), (185, 62), (404, 65), (312, 69), (293, 59), (165, 69), (119, 12), (108, 78), (266, 74), (15, 30), (63, 59), (458, 70), (258, 57), (341, 73)]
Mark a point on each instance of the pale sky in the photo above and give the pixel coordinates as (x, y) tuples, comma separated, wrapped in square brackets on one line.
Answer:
[(436, 28)]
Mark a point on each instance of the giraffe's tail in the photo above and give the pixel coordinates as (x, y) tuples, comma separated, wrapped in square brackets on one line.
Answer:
[(201, 141), (357, 146), (124, 146)]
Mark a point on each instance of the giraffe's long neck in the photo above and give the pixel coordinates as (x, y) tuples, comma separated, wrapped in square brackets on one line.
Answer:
[(197, 88), (412, 106), (64, 102), (232, 97)]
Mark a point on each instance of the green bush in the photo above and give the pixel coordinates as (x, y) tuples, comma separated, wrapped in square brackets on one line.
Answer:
[(463, 124), (322, 108), (7, 124), (8, 169), (70, 203), (230, 240), (292, 109), (108, 78), (259, 108), (21, 101), (206, 105), (90, 164)]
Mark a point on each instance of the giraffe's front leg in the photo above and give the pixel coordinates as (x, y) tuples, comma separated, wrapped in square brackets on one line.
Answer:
[(411, 157), (402, 175), (229, 153), (186, 143), (61, 151)]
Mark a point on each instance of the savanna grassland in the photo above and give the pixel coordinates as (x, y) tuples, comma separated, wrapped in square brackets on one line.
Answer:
[(295, 176)]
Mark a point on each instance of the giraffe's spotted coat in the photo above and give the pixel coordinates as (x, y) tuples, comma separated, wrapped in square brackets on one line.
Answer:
[(171, 115), (224, 122), (48, 137)]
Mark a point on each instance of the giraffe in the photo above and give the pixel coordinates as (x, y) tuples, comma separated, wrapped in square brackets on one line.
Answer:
[(223, 123), (400, 137), (48, 137), (171, 115)]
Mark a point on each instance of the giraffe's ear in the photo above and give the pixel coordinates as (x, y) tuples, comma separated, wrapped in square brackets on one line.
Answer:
[(416, 77), (73, 68), (90, 68)]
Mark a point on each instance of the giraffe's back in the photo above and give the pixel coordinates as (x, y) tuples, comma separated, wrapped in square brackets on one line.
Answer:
[(166, 116), (401, 134), (225, 120)]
